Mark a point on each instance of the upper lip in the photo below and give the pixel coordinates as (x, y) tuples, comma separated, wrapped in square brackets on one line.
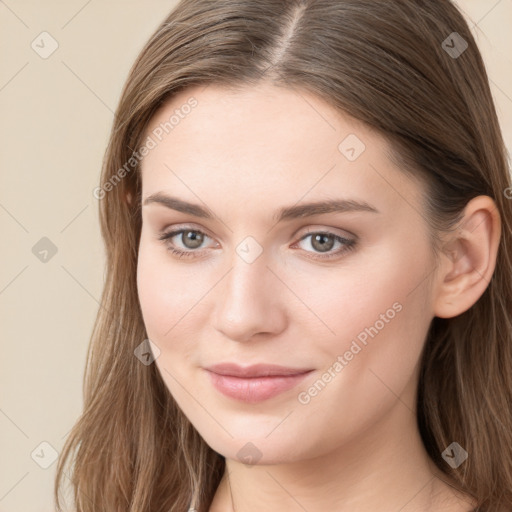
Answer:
[(257, 370)]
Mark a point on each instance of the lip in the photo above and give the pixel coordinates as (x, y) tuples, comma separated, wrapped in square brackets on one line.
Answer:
[(255, 370), (255, 383)]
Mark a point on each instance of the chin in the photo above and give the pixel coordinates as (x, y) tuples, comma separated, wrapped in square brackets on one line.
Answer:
[(258, 450)]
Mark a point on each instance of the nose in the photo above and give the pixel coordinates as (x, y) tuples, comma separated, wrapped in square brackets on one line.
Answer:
[(249, 301)]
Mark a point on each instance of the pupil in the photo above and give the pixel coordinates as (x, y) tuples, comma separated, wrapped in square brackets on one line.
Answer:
[(194, 237), (322, 246)]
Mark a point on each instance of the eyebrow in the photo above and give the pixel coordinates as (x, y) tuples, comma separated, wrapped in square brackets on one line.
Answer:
[(285, 213)]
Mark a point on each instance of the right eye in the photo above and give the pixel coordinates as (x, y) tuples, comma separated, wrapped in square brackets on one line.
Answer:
[(191, 239)]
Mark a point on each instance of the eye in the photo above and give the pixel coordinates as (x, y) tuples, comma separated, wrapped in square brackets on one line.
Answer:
[(323, 242), (190, 238)]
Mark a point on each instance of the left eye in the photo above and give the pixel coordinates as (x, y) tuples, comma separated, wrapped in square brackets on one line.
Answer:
[(322, 242)]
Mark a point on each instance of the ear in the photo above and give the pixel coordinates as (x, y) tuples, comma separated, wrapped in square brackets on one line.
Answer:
[(468, 258)]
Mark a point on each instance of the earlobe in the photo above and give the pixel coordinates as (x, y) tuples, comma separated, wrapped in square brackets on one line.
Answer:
[(468, 258)]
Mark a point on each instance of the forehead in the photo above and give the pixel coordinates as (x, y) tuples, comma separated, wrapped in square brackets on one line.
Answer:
[(265, 143), (257, 117)]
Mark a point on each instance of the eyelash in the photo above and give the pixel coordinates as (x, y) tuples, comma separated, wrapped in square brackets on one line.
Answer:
[(349, 244)]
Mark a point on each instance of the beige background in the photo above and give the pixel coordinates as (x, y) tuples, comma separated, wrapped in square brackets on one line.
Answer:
[(56, 116)]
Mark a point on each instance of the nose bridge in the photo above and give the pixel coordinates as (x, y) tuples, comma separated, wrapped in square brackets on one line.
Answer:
[(248, 275), (247, 302)]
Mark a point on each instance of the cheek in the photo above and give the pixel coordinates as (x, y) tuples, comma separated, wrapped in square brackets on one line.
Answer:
[(380, 317), (167, 292), (382, 287), (154, 293), (165, 298)]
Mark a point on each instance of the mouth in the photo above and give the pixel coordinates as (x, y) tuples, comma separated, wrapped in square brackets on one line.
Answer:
[(254, 383)]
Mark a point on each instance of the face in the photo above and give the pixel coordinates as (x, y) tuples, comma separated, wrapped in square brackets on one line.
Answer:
[(342, 293)]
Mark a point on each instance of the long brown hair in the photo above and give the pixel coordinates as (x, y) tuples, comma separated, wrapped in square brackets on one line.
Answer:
[(409, 69)]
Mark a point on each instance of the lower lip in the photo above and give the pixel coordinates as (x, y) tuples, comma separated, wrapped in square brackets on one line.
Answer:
[(255, 389)]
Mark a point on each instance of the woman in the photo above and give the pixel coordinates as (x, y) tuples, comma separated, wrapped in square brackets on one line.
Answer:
[(308, 300)]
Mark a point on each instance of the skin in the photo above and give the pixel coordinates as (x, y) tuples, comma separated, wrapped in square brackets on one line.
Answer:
[(355, 445)]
